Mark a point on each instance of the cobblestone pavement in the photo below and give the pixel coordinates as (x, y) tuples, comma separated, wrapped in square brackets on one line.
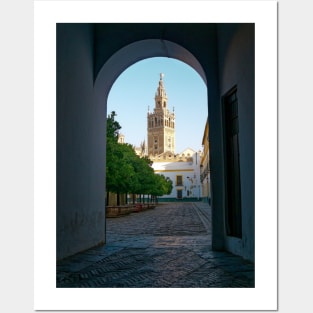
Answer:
[(169, 246)]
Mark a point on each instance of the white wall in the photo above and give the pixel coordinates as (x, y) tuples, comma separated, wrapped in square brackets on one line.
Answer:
[(80, 149), (190, 171)]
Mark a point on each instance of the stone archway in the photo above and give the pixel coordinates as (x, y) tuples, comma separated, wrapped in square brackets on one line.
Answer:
[(138, 51), (89, 59), (133, 53), (88, 62)]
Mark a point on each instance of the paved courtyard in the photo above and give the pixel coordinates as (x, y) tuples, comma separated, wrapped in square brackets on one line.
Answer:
[(169, 246)]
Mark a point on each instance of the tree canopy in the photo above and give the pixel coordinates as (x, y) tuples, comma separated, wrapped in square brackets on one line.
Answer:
[(126, 172)]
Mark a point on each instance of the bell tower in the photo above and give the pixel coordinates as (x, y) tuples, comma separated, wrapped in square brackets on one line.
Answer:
[(161, 124)]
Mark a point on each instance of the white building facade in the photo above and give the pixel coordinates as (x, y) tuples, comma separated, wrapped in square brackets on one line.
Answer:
[(184, 171), (205, 166)]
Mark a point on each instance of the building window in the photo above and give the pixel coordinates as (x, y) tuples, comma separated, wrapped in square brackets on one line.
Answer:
[(179, 180)]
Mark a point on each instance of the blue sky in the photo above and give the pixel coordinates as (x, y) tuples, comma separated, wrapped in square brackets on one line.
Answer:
[(134, 91)]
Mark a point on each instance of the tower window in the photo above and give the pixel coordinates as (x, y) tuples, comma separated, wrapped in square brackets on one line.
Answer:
[(164, 104)]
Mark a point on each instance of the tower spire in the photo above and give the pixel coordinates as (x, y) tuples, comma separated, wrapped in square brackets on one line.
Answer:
[(161, 124), (160, 95)]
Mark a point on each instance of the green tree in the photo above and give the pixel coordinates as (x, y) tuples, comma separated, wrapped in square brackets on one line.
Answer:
[(168, 185), (128, 173), (144, 175), (112, 154), (113, 126), (162, 186)]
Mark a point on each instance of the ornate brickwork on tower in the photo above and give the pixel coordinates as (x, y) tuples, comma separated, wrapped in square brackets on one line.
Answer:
[(161, 124)]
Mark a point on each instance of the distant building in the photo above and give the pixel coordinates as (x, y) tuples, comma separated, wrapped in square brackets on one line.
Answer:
[(205, 166), (184, 171), (142, 149), (161, 124), (182, 168), (121, 138), (189, 169)]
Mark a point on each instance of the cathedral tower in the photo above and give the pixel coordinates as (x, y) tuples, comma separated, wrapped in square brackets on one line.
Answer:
[(161, 124)]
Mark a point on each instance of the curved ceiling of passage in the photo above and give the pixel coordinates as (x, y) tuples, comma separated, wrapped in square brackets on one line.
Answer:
[(138, 51)]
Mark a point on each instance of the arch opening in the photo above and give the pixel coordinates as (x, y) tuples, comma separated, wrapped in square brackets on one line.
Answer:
[(139, 51)]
